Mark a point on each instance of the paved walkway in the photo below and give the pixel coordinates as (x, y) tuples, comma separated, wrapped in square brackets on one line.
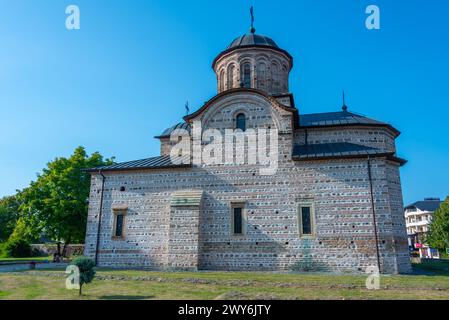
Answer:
[(27, 266)]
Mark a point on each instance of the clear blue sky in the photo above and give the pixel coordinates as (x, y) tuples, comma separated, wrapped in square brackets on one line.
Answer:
[(126, 75)]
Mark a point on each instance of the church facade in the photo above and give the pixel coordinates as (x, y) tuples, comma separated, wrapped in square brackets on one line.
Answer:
[(333, 204)]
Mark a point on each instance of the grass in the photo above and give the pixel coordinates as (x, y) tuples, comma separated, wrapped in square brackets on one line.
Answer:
[(436, 267), (145, 285)]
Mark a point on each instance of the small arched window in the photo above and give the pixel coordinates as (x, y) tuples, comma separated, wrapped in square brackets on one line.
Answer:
[(231, 76), (241, 122), (246, 75), (222, 80), (284, 78), (261, 76), (275, 77)]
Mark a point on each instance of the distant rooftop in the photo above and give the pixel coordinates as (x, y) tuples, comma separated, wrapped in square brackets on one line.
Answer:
[(429, 204)]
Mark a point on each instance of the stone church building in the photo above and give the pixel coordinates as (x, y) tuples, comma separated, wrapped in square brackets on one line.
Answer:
[(333, 205)]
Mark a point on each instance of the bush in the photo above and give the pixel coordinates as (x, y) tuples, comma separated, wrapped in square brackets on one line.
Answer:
[(86, 268), (2, 250), (17, 248)]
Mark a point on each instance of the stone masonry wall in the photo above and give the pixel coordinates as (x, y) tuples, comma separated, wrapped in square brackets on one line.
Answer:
[(372, 137), (339, 190)]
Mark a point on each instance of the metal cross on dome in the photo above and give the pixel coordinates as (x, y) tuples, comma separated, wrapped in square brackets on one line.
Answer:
[(253, 30)]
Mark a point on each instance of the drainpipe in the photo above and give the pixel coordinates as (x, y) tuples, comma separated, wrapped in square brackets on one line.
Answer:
[(100, 215), (370, 177)]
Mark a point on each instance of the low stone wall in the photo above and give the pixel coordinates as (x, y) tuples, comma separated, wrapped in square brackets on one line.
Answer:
[(50, 249)]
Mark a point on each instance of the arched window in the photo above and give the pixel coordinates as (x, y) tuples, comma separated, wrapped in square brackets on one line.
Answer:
[(246, 75), (284, 78), (275, 77), (222, 80), (231, 76), (262, 76), (241, 122)]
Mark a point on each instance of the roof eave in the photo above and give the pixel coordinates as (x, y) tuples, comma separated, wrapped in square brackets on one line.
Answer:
[(388, 156), (395, 131), (103, 170)]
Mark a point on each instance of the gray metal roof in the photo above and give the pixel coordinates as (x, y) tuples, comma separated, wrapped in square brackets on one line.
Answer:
[(335, 118), (179, 126), (430, 205), (253, 40), (342, 118), (340, 149), (150, 163)]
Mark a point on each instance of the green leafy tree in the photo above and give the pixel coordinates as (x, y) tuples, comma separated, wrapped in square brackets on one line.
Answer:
[(18, 243), (56, 203), (86, 267), (438, 236), (9, 214)]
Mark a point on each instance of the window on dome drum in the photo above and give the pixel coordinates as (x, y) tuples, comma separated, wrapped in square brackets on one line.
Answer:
[(241, 122), (306, 218), (261, 76), (231, 76), (275, 77), (285, 78), (119, 224), (222, 81), (247, 75), (238, 219)]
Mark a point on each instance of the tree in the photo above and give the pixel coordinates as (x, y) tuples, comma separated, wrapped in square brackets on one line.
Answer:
[(56, 203), (9, 214), (438, 236), (18, 244), (86, 267)]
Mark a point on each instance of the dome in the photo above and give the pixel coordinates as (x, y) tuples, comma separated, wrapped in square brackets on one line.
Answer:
[(180, 126), (253, 40)]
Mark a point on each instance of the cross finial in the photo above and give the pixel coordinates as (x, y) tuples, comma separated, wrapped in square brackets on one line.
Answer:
[(345, 107), (187, 107), (252, 30)]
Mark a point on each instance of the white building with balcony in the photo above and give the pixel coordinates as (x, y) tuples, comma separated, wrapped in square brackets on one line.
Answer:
[(418, 217)]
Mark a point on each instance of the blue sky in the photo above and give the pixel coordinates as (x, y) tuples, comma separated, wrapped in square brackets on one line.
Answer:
[(126, 75)]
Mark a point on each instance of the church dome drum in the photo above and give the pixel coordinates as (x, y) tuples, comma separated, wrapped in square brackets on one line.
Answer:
[(253, 61)]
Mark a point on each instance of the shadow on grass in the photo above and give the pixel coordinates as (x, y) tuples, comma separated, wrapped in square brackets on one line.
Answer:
[(432, 268), (117, 297)]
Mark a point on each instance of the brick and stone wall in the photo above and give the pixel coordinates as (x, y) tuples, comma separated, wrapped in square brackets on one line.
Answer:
[(379, 138), (160, 236), (340, 190)]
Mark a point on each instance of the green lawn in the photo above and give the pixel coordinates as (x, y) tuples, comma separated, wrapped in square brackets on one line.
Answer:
[(131, 284)]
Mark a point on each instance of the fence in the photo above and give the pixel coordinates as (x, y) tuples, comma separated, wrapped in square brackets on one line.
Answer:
[(50, 249)]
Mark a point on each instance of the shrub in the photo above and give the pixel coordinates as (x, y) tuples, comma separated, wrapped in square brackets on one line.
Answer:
[(17, 248), (2, 250), (86, 268)]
